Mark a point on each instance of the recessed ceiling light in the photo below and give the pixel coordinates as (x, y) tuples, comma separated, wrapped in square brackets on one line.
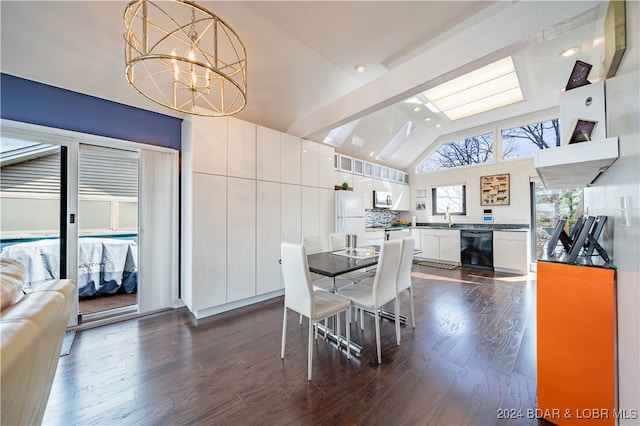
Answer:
[(438, 125), (484, 89), (416, 109), (568, 52), (360, 68), (427, 119), (372, 152)]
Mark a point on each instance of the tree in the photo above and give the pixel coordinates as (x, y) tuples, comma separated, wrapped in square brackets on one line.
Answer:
[(541, 135)]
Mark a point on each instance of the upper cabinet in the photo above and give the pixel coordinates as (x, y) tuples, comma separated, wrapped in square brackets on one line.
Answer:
[(268, 155), (290, 159), (206, 141), (586, 152), (358, 166), (346, 164), (241, 149), (317, 165)]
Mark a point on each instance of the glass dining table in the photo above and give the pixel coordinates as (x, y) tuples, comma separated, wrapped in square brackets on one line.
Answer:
[(333, 264)]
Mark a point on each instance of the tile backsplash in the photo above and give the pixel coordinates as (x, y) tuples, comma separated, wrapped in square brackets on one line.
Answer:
[(380, 217)]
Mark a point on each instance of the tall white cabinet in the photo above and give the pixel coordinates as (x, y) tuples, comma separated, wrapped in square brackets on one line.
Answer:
[(246, 188)]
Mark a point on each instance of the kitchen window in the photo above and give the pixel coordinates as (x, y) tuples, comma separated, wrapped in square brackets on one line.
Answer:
[(450, 199), (524, 141), (464, 152)]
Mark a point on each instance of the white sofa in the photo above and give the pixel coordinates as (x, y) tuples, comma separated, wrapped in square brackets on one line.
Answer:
[(32, 328)]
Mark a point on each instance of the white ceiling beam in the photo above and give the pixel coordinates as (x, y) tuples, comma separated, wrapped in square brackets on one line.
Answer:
[(485, 38)]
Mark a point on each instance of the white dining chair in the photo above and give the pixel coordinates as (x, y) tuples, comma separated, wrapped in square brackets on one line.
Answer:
[(383, 291), (301, 297), (313, 244), (404, 273)]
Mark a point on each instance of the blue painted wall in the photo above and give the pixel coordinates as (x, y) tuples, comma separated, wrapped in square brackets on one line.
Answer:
[(36, 103)]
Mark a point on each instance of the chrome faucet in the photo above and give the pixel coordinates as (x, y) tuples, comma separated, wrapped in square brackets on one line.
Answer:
[(447, 216)]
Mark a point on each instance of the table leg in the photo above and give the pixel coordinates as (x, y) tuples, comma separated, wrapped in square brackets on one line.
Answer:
[(338, 340)]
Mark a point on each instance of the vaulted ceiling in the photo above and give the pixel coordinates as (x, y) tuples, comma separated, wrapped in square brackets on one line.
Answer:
[(302, 57)]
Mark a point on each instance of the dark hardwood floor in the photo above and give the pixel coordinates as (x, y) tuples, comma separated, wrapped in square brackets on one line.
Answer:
[(470, 359)]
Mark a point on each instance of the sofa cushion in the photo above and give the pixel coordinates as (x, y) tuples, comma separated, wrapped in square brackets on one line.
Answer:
[(11, 280)]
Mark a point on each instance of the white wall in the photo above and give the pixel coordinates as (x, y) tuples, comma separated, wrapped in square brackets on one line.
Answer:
[(603, 198), (518, 211)]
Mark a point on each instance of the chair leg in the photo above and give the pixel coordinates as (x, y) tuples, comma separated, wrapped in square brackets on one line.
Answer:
[(413, 313), (284, 332), (361, 319), (310, 358), (300, 319), (397, 320), (377, 319), (348, 327)]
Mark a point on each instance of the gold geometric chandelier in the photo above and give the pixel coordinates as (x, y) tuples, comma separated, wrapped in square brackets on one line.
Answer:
[(184, 57)]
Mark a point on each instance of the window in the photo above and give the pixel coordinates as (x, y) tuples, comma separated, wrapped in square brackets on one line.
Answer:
[(463, 152), (451, 199), (524, 141)]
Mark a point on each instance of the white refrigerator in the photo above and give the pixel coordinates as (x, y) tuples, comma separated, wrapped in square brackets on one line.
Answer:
[(349, 218)]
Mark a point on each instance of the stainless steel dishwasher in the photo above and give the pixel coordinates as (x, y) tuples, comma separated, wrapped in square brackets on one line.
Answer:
[(476, 249)]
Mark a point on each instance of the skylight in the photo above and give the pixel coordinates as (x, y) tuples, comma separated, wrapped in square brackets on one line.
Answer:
[(397, 141), (336, 137), (484, 89)]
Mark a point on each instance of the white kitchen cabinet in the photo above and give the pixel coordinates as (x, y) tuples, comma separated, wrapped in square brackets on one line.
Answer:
[(368, 169), (440, 244), (268, 236), (290, 159), (381, 185), (345, 177), (317, 165), (400, 196), (208, 143), (290, 216), (268, 154), (450, 246), (241, 242), (511, 251), (358, 166), (415, 233), (317, 212), (241, 148), (206, 258), (326, 212), (290, 213), (345, 163), (364, 185), (374, 238), (430, 246)]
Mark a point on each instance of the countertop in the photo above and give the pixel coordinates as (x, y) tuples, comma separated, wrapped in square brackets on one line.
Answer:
[(457, 226), (511, 227)]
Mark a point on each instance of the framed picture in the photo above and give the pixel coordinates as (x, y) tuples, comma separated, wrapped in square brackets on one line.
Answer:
[(421, 193), (421, 205), (582, 130), (494, 190), (579, 75)]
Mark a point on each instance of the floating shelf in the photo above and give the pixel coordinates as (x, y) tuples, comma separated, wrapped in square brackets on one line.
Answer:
[(577, 165)]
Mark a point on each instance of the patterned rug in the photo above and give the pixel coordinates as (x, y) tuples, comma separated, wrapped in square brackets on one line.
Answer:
[(438, 265)]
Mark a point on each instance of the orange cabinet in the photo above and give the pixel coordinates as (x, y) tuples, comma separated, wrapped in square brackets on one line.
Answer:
[(576, 327)]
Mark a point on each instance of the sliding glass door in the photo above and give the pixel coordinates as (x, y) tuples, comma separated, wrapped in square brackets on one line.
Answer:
[(108, 231), (74, 205), (33, 201), (71, 211)]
